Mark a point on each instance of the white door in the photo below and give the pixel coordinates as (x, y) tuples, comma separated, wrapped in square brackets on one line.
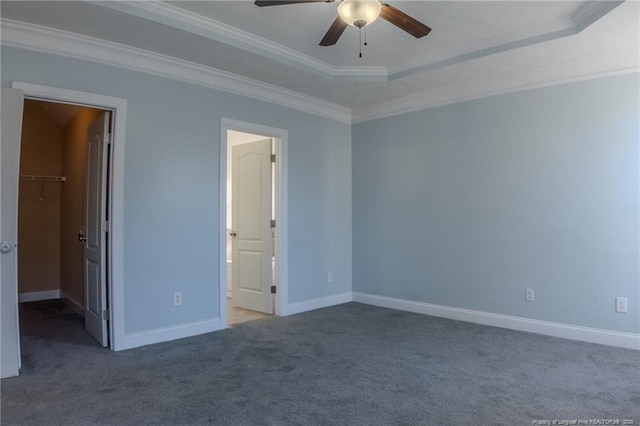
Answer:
[(95, 277), (251, 226), (10, 133)]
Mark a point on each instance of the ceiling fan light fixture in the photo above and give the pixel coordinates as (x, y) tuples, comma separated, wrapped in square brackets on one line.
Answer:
[(359, 13)]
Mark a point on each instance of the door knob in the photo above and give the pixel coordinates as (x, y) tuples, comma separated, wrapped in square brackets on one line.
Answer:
[(233, 234), (5, 247), (82, 237)]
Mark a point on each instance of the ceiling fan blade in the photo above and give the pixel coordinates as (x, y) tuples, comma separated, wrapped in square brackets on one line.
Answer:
[(334, 32), (262, 3), (404, 21)]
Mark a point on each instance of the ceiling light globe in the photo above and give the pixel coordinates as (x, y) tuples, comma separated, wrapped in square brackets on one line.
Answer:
[(359, 13)]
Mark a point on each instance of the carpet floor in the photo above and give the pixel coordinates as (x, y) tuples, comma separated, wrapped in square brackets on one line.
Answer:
[(351, 364)]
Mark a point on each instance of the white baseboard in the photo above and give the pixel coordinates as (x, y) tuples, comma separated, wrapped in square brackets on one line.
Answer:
[(34, 296), (567, 331), (77, 307), (149, 337), (322, 302)]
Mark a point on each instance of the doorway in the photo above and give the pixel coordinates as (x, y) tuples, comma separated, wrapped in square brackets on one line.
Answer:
[(12, 109), (253, 280), (250, 226), (62, 216)]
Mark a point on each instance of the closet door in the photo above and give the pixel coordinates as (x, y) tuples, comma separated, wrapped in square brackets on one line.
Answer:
[(10, 129), (95, 253)]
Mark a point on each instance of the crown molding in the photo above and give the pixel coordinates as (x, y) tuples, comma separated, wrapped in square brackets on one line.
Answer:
[(167, 14), (587, 14), (591, 11), (481, 44), (64, 43), (497, 85), (194, 23), (519, 38)]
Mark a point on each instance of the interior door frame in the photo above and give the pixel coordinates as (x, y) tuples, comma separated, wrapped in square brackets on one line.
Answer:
[(115, 236), (281, 276)]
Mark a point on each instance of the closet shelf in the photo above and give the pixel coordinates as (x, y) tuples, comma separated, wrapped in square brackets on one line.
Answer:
[(44, 178)]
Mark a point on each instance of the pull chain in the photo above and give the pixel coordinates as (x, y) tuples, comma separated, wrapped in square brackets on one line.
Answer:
[(365, 35), (360, 42)]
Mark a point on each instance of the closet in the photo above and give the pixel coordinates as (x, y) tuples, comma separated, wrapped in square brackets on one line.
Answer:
[(51, 202)]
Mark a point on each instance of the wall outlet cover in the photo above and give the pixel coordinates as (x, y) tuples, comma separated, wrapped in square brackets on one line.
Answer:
[(621, 304), (529, 295), (177, 298)]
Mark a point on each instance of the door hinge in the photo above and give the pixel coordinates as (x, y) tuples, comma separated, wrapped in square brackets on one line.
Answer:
[(273, 223), (105, 315), (107, 138), (273, 158), (273, 289), (105, 226)]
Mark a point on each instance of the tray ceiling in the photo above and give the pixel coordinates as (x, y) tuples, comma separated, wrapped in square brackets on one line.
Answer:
[(500, 45)]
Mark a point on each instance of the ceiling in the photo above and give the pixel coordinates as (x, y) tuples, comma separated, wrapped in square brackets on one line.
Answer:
[(61, 113), (476, 47)]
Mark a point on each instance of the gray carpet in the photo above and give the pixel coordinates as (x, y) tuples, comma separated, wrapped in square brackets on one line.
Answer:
[(351, 364)]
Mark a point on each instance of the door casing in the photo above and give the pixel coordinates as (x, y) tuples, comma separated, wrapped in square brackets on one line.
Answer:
[(115, 237), (281, 280)]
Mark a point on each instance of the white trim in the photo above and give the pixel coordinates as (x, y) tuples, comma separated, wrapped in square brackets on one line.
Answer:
[(467, 91), (591, 11), (514, 39), (567, 331), (586, 14), (281, 280), (319, 303), (360, 74), (166, 334), (77, 307), (47, 40), (194, 23), (34, 296), (118, 106), (52, 41)]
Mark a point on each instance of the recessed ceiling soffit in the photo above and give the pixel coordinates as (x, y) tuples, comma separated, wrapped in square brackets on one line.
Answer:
[(186, 20)]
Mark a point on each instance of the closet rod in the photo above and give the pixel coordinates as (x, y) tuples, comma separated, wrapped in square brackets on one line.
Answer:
[(44, 178)]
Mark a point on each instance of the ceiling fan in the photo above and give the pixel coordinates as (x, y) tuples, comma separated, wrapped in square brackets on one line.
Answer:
[(359, 14)]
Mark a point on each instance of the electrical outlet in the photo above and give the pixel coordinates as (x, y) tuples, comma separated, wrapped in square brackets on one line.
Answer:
[(621, 304), (528, 295), (329, 277), (177, 298)]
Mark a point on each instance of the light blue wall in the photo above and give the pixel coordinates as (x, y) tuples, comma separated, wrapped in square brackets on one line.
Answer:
[(464, 205), (467, 205), (171, 207)]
